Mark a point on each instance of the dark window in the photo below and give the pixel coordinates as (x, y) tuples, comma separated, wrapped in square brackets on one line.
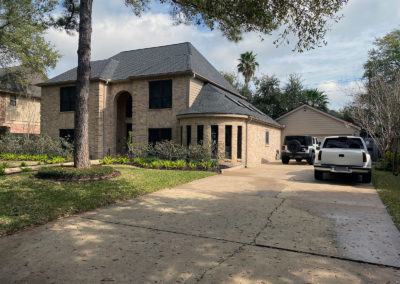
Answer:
[(239, 142), (128, 129), (159, 134), (181, 135), (344, 142), (13, 100), (200, 134), (160, 94), (214, 140), (188, 135), (128, 110), (228, 141), (67, 99), (67, 134), (267, 137)]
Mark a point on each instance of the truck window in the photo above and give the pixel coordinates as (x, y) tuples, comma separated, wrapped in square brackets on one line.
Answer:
[(344, 142)]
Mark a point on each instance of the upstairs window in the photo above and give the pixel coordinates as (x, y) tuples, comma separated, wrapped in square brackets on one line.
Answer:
[(13, 100), (160, 94), (67, 99)]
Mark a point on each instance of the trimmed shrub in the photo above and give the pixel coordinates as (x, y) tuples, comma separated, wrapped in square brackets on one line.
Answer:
[(73, 173), (169, 150), (38, 144), (199, 152)]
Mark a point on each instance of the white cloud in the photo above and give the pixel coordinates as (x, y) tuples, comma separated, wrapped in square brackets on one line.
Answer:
[(116, 29), (340, 94)]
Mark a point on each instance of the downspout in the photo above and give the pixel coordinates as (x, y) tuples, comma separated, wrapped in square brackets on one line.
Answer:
[(249, 119)]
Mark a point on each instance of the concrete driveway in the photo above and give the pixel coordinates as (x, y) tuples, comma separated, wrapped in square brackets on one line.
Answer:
[(272, 224)]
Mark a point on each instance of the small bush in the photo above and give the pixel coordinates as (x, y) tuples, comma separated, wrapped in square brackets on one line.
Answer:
[(385, 164), (24, 170), (56, 160), (2, 171), (108, 160), (123, 160), (73, 173), (179, 164), (23, 164), (5, 165), (169, 150)]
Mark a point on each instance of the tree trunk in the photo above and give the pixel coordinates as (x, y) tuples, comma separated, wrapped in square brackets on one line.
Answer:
[(81, 153)]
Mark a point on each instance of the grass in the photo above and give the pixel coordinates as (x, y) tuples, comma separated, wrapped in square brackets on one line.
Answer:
[(17, 164), (26, 201), (388, 187)]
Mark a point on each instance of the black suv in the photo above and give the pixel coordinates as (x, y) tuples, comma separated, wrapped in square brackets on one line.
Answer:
[(299, 147)]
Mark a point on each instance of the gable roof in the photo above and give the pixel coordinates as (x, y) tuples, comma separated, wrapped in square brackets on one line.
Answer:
[(214, 100), (169, 59), (10, 81), (319, 111)]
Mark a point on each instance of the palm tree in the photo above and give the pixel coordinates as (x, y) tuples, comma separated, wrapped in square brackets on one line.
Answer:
[(247, 65), (317, 99)]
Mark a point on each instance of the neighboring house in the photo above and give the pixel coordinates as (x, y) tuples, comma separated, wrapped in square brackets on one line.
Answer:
[(161, 93), (307, 120), (19, 101)]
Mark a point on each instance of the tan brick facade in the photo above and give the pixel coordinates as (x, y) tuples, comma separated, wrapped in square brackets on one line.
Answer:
[(106, 132), (253, 134), (24, 117)]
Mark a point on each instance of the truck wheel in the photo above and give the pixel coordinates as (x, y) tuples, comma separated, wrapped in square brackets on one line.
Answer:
[(298, 160), (366, 178), (311, 159), (285, 160), (318, 175)]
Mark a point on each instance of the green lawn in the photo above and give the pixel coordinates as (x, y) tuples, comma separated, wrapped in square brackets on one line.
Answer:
[(28, 201), (388, 187), (16, 164)]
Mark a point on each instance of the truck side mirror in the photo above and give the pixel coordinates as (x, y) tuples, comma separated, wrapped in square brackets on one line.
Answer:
[(319, 143)]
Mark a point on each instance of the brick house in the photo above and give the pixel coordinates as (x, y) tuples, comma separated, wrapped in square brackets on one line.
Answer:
[(167, 92), (19, 101)]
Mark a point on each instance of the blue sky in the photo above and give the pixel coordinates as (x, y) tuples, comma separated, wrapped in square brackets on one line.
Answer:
[(335, 68)]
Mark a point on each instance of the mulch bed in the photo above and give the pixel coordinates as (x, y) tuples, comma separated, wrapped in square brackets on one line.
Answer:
[(75, 179)]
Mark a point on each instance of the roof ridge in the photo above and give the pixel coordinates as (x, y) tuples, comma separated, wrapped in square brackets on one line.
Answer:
[(180, 43)]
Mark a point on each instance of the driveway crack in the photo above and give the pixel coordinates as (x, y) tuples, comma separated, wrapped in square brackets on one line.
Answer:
[(221, 261), (268, 221)]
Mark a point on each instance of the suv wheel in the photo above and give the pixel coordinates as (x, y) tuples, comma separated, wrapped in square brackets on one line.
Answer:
[(285, 160), (318, 175)]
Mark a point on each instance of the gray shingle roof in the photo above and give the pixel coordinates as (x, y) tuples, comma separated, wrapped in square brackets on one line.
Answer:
[(214, 100), (182, 57), (12, 80)]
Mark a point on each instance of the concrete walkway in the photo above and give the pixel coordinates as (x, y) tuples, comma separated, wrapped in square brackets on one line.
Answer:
[(272, 224)]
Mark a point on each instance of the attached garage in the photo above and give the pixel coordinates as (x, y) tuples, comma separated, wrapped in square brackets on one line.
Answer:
[(307, 120)]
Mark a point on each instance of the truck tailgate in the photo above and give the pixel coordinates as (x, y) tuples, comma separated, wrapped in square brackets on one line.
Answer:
[(342, 157)]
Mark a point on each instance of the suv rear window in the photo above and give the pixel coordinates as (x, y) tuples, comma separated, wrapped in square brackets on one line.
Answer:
[(344, 142), (304, 140)]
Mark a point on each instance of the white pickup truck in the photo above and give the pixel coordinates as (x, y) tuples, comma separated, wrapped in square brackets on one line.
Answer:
[(347, 155)]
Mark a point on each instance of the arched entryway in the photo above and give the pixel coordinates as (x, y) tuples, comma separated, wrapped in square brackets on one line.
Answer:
[(124, 121)]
